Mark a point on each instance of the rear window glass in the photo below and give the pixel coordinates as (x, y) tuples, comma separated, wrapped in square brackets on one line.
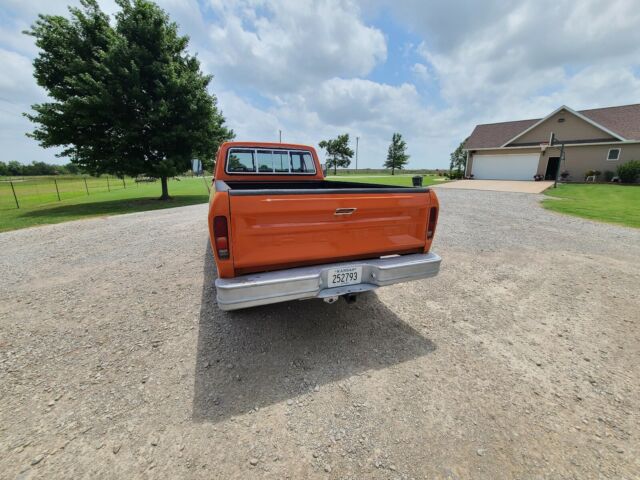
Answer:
[(244, 160), (265, 161), (301, 162), (281, 161), (241, 161)]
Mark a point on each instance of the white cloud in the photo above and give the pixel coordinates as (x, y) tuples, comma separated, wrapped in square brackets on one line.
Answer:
[(373, 112), (247, 121), (305, 66), (288, 45), (532, 51), (498, 61), (421, 71), (347, 102), (18, 90), (17, 85)]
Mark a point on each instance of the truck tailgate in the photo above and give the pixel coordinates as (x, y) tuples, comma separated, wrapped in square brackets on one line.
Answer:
[(275, 230)]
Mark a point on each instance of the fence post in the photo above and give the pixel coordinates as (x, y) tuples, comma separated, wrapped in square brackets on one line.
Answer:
[(85, 185), (108, 186), (15, 197), (57, 191)]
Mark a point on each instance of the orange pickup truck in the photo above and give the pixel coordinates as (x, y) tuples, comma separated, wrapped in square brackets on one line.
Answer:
[(280, 231)]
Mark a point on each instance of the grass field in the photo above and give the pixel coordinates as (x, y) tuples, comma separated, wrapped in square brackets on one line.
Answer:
[(35, 191), (39, 206), (619, 204), (39, 203), (399, 180)]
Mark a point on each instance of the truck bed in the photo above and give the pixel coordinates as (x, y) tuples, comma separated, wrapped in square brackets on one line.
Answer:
[(284, 224)]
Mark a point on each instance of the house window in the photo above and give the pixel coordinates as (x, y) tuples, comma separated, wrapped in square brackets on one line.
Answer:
[(614, 154)]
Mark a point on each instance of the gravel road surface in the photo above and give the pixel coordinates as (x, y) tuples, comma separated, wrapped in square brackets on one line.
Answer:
[(520, 360)]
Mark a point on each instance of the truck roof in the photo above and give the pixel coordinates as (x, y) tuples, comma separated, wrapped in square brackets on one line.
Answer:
[(266, 144)]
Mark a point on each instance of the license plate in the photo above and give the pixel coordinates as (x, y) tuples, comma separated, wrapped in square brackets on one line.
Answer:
[(338, 277)]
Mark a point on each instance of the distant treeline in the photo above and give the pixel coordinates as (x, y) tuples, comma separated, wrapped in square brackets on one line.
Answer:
[(17, 169), (370, 171)]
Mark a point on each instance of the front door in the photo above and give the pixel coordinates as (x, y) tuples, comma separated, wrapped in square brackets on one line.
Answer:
[(552, 168)]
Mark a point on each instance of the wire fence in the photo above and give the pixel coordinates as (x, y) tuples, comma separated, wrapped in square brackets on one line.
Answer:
[(24, 192)]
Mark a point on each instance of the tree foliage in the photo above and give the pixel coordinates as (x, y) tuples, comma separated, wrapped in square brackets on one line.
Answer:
[(458, 163), (17, 169), (338, 152), (629, 172), (126, 99), (397, 156)]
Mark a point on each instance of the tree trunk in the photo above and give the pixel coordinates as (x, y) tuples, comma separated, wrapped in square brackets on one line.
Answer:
[(165, 189), (393, 169), (335, 168)]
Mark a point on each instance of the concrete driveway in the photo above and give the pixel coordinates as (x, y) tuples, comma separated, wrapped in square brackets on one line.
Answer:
[(498, 185), (520, 360)]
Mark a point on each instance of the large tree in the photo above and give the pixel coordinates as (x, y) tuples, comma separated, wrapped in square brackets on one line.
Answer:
[(127, 99), (397, 156), (338, 152), (458, 163)]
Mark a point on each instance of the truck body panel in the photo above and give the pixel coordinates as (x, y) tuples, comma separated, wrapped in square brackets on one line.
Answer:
[(270, 230), (272, 211)]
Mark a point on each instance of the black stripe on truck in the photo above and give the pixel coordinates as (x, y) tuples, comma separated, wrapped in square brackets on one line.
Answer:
[(309, 188), (311, 191)]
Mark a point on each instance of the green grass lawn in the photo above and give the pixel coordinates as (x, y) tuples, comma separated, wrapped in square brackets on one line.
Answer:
[(618, 204), (396, 180), (133, 198)]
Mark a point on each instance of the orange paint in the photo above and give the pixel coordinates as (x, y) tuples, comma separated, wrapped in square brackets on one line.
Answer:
[(270, 232)]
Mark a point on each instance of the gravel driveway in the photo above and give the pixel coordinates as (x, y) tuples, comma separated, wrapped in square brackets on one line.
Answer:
[(521, 359)]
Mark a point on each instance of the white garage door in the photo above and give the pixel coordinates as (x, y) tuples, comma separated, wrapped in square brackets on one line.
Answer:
[(505, 167)]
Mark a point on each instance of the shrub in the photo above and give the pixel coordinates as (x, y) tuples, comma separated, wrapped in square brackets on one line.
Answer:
[(629, 172), (608, 175)]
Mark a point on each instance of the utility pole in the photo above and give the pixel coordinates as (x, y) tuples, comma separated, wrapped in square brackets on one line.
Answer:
[(280, 132), (357, 140)]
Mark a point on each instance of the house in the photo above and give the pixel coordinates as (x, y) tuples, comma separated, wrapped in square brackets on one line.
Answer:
[(598, 139)]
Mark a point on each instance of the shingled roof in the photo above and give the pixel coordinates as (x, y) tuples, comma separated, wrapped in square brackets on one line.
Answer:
[(623, 120)]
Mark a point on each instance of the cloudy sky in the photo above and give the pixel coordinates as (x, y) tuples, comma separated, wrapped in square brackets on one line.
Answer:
[(426, 68)]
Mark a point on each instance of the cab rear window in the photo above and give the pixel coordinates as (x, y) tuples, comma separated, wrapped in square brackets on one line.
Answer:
[(267, 161)]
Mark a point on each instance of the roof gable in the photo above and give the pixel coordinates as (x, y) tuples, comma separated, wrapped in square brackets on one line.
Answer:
[(493, 135), (591, 128), (619, 122), (624, 120)]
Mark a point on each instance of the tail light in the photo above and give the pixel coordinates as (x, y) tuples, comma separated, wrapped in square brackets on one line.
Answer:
[(433, 220), (221, 236)]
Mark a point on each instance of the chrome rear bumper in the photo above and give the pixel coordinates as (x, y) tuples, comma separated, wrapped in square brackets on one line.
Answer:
[(311, 282)]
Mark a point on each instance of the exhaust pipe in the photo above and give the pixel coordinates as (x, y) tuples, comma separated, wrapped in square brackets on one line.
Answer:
[(330, 299)]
